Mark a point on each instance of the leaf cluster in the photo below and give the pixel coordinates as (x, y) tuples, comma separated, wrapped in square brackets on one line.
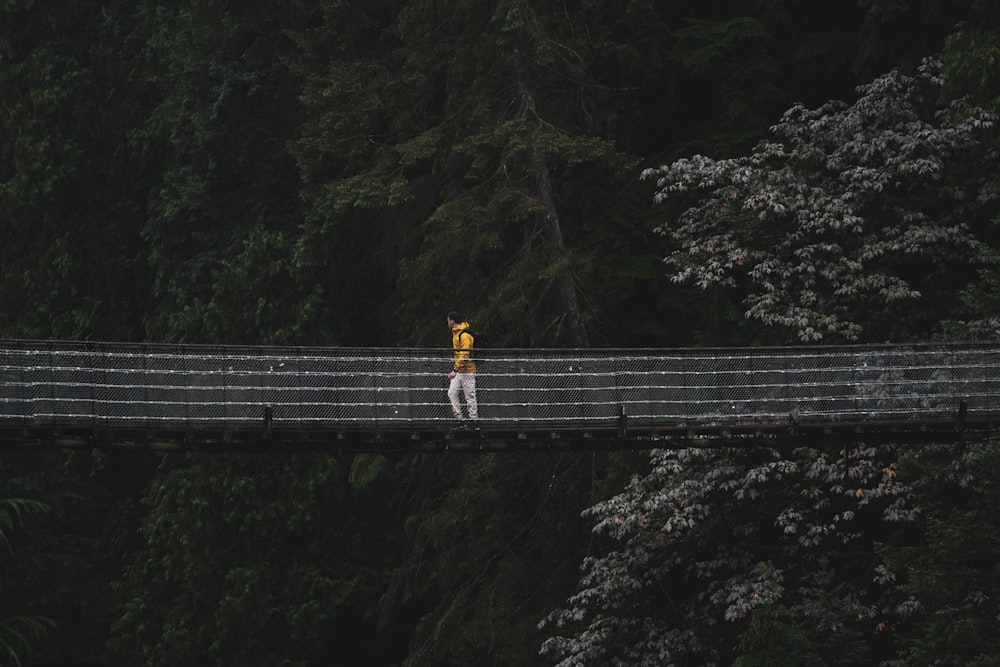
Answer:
[(710, 549), (850, 215)]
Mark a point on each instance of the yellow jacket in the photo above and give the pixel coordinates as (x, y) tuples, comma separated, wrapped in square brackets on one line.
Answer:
[(463, 341)]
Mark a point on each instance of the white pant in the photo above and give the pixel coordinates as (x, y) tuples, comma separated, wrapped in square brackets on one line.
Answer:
[(466, 382)]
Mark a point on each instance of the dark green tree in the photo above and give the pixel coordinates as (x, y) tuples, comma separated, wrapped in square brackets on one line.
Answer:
[(259, 560), (223, 205), (63, 567), (969, 57), (72, 200), (489, 544), (17, 631), (457, 163), (946, 606), (71, 196)]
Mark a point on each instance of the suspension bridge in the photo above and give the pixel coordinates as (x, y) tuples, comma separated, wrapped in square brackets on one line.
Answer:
[(233, 398)]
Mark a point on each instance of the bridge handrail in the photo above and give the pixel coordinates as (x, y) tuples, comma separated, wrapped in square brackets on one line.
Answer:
[(130, 385)]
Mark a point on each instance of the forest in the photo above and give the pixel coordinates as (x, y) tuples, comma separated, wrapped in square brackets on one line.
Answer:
[(567, 174)]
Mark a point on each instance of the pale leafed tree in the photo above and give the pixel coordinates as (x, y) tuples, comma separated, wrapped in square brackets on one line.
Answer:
[(756, 556), (846, 218), (747, 556)]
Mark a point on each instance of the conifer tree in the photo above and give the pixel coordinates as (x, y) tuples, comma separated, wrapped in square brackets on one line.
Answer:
[(455, 162)]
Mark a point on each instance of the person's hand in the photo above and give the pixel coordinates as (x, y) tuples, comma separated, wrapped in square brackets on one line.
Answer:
[(451, 375)]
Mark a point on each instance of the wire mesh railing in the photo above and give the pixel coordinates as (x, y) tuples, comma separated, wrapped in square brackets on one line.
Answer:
[(201, 387)]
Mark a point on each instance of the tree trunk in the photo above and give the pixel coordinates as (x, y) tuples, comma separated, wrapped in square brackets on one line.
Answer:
[(563, 288)]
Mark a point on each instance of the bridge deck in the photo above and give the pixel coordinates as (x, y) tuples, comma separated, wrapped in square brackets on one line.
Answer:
[(247, 398)]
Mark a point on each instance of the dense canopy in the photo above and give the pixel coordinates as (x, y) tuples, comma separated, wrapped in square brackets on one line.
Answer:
[(346, 172)]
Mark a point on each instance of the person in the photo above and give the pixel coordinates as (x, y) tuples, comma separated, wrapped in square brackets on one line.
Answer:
[(462, 377)]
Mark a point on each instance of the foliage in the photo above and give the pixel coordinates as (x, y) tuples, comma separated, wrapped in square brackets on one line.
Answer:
[(773, 637), (750, 556), (222, 201), (68, 188), (454, 162), (257, 560), (16, 635), (491, 545), (63, 566), (12, 512), (948, 585), (706, 550), (343, 172), (853, 214), (968, 56), (982, 302), (17, 632)]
